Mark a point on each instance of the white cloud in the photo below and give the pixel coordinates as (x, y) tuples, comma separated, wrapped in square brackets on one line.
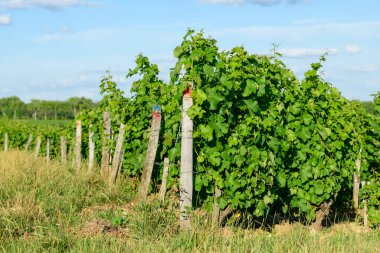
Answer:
[(47, 4), (66, 34), (305, 52), (264, 2), (352, 49), (257, 2), (362, 30), (232, 2), (363, 68), (5, 20), (374, 82), (308, 21)]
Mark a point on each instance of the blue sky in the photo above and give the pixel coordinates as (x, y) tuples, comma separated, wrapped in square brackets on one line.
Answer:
[(55, 49)]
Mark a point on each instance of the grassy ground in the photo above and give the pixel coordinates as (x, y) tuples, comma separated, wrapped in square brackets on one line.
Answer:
[(44, 207)]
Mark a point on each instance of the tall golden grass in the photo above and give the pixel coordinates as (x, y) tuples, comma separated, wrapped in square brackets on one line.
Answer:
[(47, 207)]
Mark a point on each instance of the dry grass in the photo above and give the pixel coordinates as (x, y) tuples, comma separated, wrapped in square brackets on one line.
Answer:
[(47, 207)]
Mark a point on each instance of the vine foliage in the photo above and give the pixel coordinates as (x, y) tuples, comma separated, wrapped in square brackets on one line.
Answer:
[(269, 141)]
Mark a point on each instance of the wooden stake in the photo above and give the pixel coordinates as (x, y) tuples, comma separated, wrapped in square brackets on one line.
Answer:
[(29, 142), (224, 214), (216, 209), (150, 154), (355, 194), (121, 161), (365, 214), (186, 176), (78, 143), (104, 170), (322, 213), (63, 150), (47, 149), (6, 142), (91, 150), (365, 208), (117, 158), (356, 186), (164, 179), (38, 146)]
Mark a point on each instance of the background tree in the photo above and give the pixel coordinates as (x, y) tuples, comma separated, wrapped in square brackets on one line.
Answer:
[(376, 102), (12, 107)]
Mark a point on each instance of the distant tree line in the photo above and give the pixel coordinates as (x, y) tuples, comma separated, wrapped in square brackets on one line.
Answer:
[(14, 107)]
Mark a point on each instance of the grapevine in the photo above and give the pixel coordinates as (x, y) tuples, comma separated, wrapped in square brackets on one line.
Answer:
[(269, 141)]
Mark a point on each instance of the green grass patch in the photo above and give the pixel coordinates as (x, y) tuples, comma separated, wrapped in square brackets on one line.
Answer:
[(45, 207)]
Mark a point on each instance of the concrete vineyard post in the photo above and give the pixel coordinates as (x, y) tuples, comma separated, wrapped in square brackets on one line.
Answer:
[(104, 170), (91, 149), (150, 154), (186, 176), (164, 179), (5, 141), (29, 142), (63, 150), (38, 146), (78, 143), (47, 149), (117, 158)]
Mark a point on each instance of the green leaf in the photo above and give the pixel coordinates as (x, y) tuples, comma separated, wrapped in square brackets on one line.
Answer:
[(252, 105), (249, 88), (198, 183), (261, 91), (325, 133), (305, 134), (306, 174), (208, 70), (239, 160), (225, 82), (222, 203), (295, 109), (319, 187), (178, 52), (268, 199), (214, 99), (281, 179), (307, 119), (200, 158), (199, 96), (214, 158), (206, 132), (260, 207), (291, 136)]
